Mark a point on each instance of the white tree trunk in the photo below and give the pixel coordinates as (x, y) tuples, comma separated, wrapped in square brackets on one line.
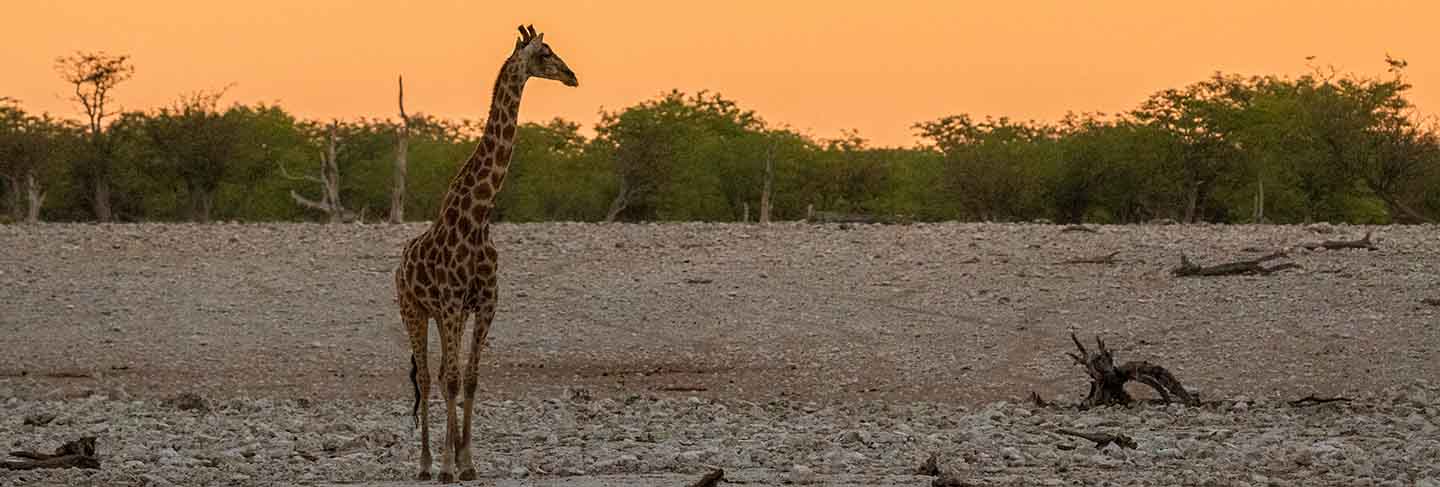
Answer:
[(330, 173), (765, 187), (35, 196)]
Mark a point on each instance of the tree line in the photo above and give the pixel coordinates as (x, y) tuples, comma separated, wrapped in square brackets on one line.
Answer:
[(1322, 146)]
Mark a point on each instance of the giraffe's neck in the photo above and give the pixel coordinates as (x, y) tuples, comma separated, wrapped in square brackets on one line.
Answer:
[(474, 188)]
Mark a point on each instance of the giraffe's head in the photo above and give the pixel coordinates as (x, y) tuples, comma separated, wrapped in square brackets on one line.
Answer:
[(540, 61)]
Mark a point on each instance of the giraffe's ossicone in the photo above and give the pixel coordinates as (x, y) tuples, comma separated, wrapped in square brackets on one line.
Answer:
[(448, 273)]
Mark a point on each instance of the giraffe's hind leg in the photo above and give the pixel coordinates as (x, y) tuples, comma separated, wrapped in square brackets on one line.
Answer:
[(418, 327)]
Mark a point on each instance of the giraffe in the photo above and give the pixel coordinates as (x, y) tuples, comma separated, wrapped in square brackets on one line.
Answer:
[(448, 272)]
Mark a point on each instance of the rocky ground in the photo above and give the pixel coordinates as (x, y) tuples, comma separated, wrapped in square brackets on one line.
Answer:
[(1382, 439), (641, 354)]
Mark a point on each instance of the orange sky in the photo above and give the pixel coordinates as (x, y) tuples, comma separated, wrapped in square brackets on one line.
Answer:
[(819, 66)]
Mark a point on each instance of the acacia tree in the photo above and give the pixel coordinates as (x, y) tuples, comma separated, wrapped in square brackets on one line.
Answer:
[(663, 155), (1201, 118), (11, 120), (29, 147), (994, 169), (1395, 153), (94, 75), (196, 142)]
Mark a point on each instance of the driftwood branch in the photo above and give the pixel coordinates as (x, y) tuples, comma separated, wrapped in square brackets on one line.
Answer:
[(1364, 243), (1102, 439), (1107, 382), (74, 454), (1079, 228), (1102, 259), (1252, 266)]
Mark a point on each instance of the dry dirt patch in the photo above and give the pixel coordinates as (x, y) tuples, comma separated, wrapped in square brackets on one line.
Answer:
[(953, 312)]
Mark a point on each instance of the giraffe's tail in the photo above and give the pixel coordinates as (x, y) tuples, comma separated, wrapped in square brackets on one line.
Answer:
[(415, 408)]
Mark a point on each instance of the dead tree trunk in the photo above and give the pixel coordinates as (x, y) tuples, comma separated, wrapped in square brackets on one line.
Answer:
[(329, 181), (765, 186), (620, 202), (1107, 382), (402, 149), (34, 197)]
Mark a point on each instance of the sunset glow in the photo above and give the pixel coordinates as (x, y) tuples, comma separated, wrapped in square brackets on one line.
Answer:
[(821, 67)]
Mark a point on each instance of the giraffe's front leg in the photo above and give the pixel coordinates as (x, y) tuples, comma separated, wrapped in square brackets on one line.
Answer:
[(450, 380), (472, 378)]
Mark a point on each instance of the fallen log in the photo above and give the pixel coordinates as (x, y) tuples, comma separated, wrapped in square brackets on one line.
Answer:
[(1079, 228), (1102, 439), (1107, 382), (1102, 259), (710, 479), (1252, 266), (1312, 400), (74, 454), (1364, 243)]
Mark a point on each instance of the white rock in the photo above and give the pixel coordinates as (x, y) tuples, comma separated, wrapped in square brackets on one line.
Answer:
[(800, 474)]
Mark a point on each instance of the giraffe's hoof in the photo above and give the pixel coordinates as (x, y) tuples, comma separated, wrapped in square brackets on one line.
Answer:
[(446, 478), (423, 476), (467, 474)]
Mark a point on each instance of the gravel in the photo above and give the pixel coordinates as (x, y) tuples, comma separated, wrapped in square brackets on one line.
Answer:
[(1388, 437), (642, 354)]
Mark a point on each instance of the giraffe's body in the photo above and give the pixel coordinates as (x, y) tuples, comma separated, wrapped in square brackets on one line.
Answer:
[(448, 273)]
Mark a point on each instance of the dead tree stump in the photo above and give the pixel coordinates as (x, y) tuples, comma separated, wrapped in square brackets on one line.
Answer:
[(1107, 382)]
